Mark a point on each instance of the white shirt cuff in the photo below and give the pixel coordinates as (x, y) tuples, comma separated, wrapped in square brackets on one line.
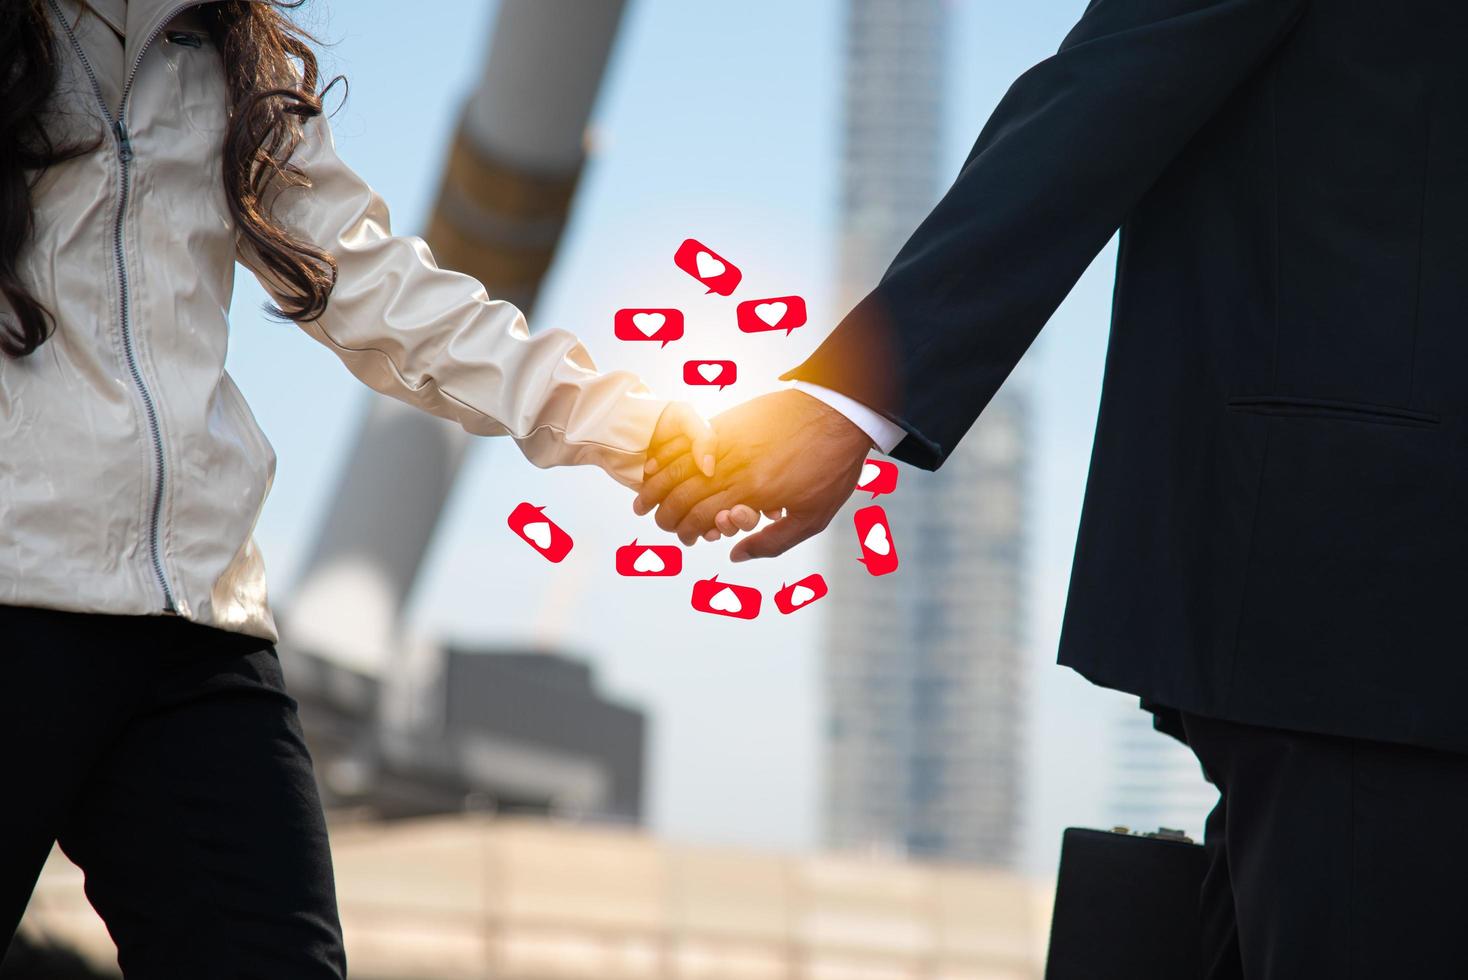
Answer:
[(885, 434)]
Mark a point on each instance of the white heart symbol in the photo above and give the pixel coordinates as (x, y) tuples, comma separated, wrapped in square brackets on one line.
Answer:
[(771, 313), (800, 595), (869, 472), (710, 371), (726, 601), (648, 562), (708, 266), (649, 323), (876, 540), (539, 532)]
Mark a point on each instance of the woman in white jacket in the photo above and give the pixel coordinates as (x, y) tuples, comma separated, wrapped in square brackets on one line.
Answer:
[(145, 147)]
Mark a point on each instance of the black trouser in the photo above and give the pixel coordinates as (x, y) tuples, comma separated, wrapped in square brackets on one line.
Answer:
[(1332, 857), (167, 760)]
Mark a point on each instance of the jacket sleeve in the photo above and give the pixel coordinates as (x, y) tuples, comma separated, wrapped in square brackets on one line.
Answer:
[(1072, 147), (434, 339)]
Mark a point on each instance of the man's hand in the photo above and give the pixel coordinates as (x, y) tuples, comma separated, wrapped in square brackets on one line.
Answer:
[(785, 450)]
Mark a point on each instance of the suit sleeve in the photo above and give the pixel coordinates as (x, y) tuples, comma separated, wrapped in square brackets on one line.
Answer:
[(1072, 147), (434, 339)]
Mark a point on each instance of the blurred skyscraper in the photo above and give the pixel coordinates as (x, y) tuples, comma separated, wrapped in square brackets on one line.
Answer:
[(923, 668), (1156, 781)]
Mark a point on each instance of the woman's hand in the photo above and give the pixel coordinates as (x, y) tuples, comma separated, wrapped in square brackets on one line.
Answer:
[(682, 430)]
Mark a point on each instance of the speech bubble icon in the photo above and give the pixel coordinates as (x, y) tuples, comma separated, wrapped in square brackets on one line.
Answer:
[(877, 476), (710, 373), (707, 266), (800, 594), (785, 313), (540, 532), (725, 599), (649, 560), (878, 550), (657, 325)]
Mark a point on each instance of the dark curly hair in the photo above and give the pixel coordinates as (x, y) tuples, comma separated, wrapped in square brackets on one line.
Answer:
[(271, 76)]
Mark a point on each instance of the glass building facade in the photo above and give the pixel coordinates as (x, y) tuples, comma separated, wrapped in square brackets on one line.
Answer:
[(923, 669)]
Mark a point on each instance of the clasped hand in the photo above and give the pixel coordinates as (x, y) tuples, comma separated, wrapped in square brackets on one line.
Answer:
[(786, 454)]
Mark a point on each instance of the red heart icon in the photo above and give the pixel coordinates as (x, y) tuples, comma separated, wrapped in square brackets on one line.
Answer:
[(707, 266), (722, 599), (659, 325), (540, 532), (779, 313), (649, 560), (877, 477), (711, 373), (878, 550), (800, 594)]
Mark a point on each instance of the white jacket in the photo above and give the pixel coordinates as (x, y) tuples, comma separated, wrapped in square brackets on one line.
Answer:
[(131, 470)]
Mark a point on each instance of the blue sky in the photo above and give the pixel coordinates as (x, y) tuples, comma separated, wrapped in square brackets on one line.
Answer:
[(718, 121)]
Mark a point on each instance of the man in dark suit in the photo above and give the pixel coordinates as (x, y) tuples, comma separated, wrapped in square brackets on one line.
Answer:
[(1271, 545)]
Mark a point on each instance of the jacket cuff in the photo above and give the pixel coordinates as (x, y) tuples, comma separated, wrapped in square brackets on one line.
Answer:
[(863, 360), (616, 441), (882, 431)]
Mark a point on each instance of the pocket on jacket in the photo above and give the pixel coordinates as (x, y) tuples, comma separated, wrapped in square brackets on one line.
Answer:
[(1328, 408)]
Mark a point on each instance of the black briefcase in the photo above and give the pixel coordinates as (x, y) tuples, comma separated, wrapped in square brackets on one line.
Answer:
[(1126, 907)]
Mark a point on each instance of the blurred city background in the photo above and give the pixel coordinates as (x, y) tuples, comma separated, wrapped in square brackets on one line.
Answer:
[(550, 771)]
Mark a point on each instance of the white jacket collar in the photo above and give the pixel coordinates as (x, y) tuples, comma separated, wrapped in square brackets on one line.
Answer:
[(144, 17)]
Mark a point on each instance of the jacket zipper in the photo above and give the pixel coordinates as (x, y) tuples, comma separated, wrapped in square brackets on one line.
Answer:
[(125, 156)]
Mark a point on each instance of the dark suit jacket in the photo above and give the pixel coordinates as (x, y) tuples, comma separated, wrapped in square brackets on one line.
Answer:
[(1276, 518)]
